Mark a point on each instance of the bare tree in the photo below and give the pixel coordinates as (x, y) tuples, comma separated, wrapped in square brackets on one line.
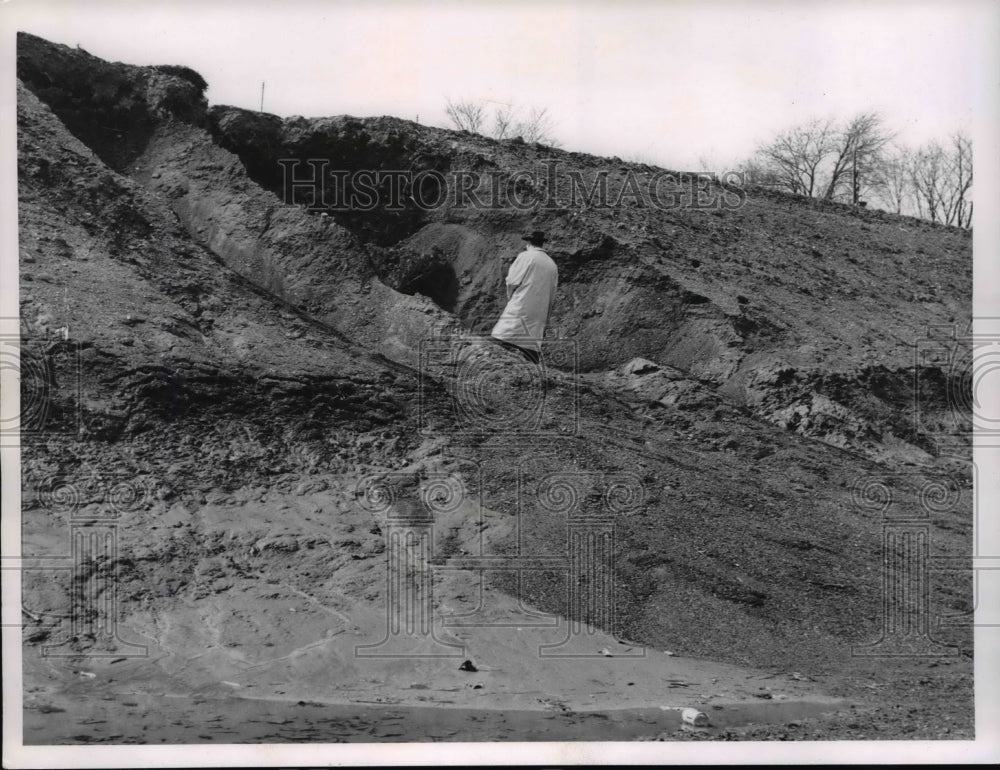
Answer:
[(859, 148), (795, 156), (891, 178), (754, 173), (537, 126), (958, 209), (859, 159), (927, 176), (465, 115), (503, 122), (942, 179)]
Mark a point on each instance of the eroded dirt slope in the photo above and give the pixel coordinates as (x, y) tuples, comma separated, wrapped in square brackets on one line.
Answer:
[(247, 369), (808, 312)]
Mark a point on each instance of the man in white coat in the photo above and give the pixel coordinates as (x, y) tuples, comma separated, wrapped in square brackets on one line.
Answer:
[(531, 290)]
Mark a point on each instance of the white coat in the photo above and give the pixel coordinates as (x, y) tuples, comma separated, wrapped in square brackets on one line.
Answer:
[(531, 290)]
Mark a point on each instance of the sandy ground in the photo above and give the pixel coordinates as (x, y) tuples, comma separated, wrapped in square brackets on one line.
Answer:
[(514, 695), (299, 655), (263, 615)]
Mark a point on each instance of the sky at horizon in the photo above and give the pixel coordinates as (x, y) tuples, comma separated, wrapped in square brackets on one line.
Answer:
[(679, 84)]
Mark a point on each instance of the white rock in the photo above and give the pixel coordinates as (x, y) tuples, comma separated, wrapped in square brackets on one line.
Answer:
[(640, 366)]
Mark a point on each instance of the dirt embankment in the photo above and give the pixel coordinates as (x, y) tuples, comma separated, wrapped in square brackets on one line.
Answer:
[(244, 366), (817, 316)]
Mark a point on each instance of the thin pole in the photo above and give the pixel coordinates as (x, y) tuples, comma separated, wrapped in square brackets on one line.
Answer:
[(854, 175), (262, 96)]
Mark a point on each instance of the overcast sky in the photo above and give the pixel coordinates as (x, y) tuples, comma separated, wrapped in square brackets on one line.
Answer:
[(673, 82)]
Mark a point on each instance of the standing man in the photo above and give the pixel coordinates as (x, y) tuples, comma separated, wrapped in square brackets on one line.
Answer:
[(531, 290)]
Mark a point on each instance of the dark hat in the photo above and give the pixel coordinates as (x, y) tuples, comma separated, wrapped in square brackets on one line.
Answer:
[(535, 236)]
